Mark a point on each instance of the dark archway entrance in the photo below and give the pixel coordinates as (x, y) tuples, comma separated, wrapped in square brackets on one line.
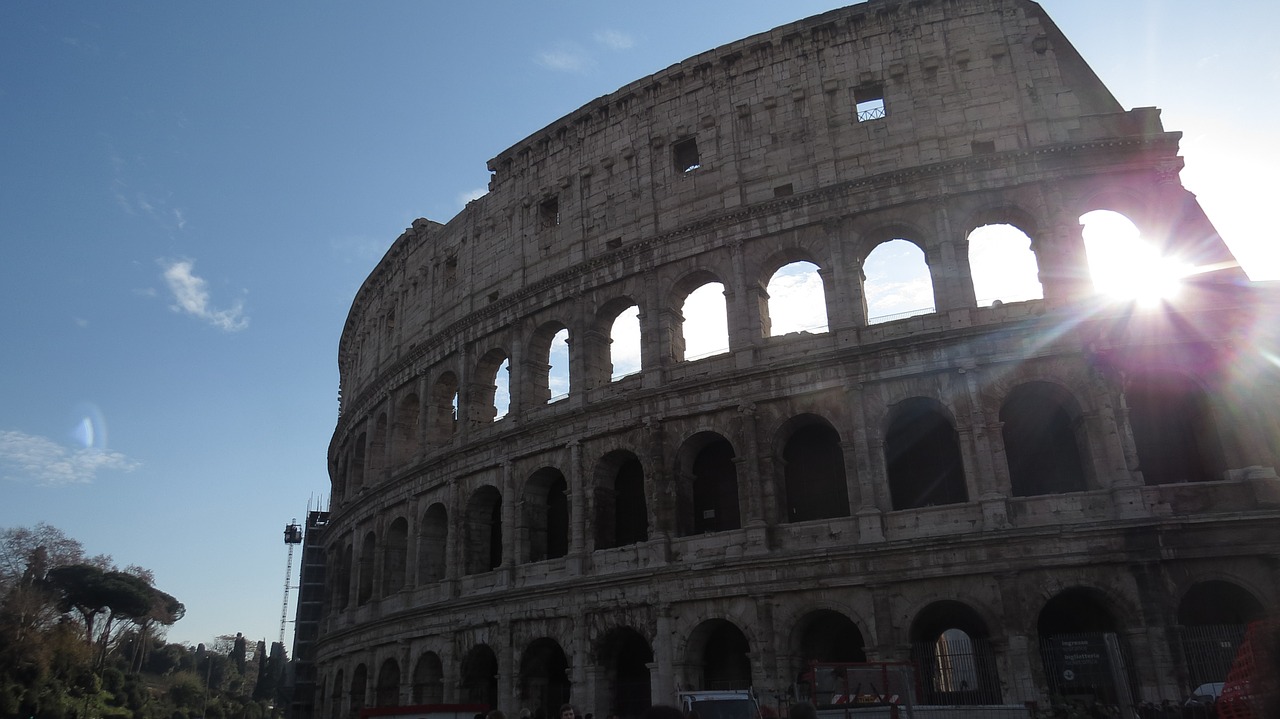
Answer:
[(625, 657), (544, 677)]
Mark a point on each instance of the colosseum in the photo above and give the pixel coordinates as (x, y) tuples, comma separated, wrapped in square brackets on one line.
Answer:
[(1027, 499)]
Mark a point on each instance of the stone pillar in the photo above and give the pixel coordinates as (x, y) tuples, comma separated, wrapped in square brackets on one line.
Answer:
[(743, 298), (870, 519), (660, 495), (509, 544), (664, 673), (750, 483), (579, 518), (508, 672), (989, 491), (654, 341)]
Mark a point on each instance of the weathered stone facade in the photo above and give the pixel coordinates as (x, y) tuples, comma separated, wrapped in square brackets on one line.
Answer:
[(1018, 472)]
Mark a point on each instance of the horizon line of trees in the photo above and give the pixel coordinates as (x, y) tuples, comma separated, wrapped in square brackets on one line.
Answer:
[(81, 637)]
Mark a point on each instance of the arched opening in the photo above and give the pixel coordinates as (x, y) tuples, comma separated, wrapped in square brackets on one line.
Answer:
[(708, 491), (395, 557), (951, 649), (405, 429), (1082, 650), (432, 542), (443, 409), (718, 652), (428, 680), (896, 282), (544, 677), (828, 636), (1173, 429), (378, 449), (368, 557), (482, 531), (625, 657), (813, 463), (622, 514), (1126, 266), (922, 455), (479, 683), (387, 693), (342, 578), (705, 327), (359, 685), (335, 699), (546, 515), (822, 642), (1212, 619), (1003, 266), (797, 300), (547, 365), (624, 343), (490, 397), (357, 463), (1042, 440)]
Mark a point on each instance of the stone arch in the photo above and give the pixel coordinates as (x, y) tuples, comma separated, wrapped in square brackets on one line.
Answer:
[(1003, 264), (395, 557), (368, 559), (543, 379), (789, 274), (707, 485), (433, 540), (1044, 440), (358, 462), (489, 389), (442, 409), (1213, 616), (718, 656), (479, 676), (922, 455), (387, 690), (343, 560), (952, 652), (624, 655), (1173, 428), (896, 279), (428, 679), (482, 531), (335, 697), (823, 636), (378, 448), (359, 688), (405, 429), (621, 510), (1082, 647), (711, 332), (544, 677), (813, 472), (546, 515), (614, 350)]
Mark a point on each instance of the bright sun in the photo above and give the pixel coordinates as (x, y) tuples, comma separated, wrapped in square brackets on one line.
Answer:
[(1125, 267)]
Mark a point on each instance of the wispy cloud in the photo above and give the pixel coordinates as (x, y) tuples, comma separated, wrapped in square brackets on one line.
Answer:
[(615, 40), (470, 195), (567, 57), (30, 458), (191, 296)]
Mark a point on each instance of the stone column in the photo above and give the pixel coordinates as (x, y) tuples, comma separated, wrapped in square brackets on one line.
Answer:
[(654, 340), (509, 544), (665, 672), (508, 673), (870, 518), (993, 496), (579, 518), (750, 483)]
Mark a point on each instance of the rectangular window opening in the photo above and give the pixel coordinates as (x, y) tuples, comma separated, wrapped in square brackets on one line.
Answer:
[(983, 147), (686, 155), (869, 103), (549, 212)]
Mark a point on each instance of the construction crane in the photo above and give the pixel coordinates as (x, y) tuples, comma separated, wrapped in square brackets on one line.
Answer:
[(292, 536)]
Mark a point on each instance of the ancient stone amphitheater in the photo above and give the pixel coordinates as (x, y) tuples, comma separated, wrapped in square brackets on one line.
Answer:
[(1061, 496)]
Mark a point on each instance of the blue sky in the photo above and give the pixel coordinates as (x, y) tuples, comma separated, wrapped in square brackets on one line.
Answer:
[(192, 194)]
